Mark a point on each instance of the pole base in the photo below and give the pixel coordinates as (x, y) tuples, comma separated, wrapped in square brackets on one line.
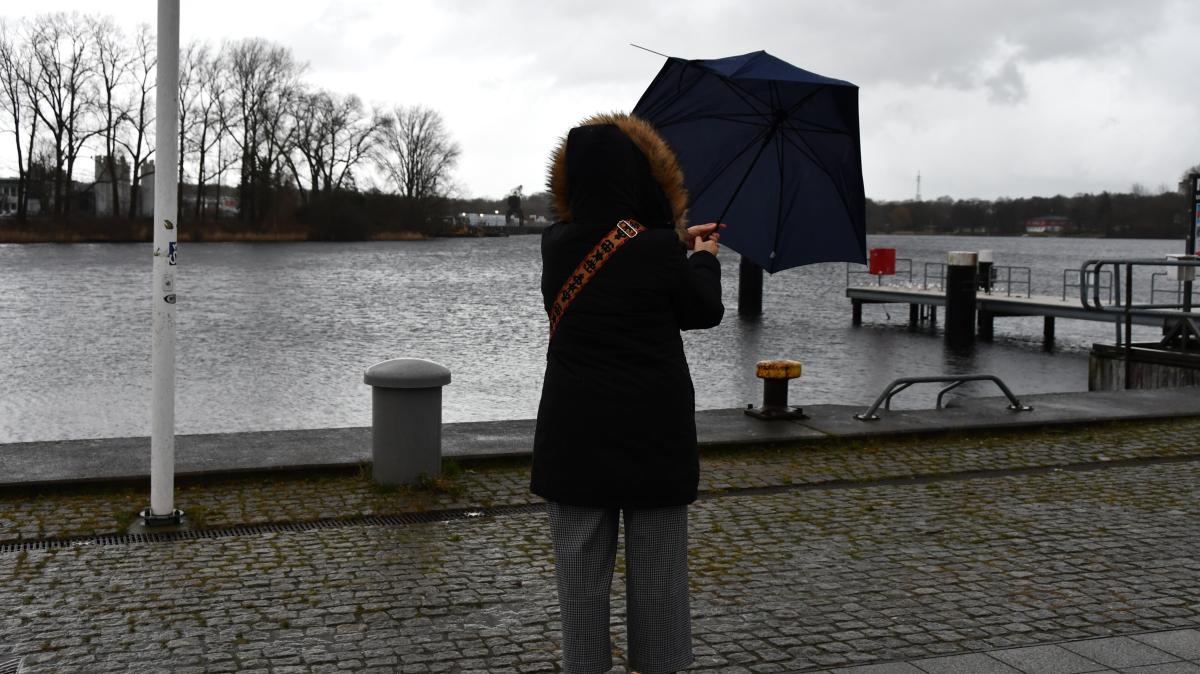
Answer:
[(150, 520), (765, 413)]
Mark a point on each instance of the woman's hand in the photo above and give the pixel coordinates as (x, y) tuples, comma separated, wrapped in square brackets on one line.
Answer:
[(704, 237)]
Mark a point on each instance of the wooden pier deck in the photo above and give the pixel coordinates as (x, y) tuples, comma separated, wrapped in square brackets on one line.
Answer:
[(990, 306)]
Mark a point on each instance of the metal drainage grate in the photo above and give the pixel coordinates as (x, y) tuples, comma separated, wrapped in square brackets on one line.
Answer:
[(274, 527), (10, 665)]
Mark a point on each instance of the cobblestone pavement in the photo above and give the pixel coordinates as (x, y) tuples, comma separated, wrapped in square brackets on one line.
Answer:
[(784, 579), (70, 511)]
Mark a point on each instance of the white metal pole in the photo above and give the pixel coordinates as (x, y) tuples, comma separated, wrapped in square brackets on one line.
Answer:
[(162, 434)]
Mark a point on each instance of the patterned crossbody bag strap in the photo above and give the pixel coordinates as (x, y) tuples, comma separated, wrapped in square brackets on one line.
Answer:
[(592, 262)]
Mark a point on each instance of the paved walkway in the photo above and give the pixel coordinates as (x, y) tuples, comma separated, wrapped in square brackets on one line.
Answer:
[(1034, 551), (1166, 652)]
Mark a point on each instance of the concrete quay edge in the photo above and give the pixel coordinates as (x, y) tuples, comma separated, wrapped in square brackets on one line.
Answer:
[(120, 460)]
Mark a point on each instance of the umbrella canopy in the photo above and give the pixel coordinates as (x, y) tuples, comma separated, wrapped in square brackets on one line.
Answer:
[(769, 148)]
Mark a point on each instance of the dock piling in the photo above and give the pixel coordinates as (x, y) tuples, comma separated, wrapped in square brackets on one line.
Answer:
[(985, 270), (750, 290), (987, 322), (960, 297)]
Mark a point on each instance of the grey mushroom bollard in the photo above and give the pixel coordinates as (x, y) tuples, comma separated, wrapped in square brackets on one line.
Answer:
[(406, 419)]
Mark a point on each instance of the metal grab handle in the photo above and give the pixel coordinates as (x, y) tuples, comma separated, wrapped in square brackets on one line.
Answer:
[(955, 380), (1093, 269)]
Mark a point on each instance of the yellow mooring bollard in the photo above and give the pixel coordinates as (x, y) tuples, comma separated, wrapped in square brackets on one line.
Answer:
[(775, 375)]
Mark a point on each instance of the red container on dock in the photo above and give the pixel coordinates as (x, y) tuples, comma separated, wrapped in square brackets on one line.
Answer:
[(882, 261)]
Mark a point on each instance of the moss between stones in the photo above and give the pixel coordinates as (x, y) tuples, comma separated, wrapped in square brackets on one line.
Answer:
[(29, 513)]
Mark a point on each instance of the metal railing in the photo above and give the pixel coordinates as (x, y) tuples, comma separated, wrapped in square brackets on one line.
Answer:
[(1003, 274), (955, 380), (1177, 315), (1176, 292), (1010, 277), (1121, 301), (906, 270), (1070, 274), (940, 277)]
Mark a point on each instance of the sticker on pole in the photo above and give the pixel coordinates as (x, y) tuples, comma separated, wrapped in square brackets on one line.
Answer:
[(172, 252)]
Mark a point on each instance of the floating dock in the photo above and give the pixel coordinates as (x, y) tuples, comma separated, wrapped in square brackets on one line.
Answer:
[(923, 302)]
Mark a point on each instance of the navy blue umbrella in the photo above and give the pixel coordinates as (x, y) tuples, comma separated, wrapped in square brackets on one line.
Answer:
[(770, 149)]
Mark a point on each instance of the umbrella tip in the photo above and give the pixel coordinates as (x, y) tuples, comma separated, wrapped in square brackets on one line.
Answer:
[(649, 50)]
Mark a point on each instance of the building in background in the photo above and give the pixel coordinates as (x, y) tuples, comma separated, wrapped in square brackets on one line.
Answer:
[(8, 200), (103, 187), (1047, 224)]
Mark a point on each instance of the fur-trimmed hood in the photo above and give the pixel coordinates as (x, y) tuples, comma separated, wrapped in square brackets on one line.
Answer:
[(664, 167)]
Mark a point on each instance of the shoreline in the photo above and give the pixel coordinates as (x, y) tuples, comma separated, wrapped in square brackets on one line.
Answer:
[(12, 235), (126, 460)]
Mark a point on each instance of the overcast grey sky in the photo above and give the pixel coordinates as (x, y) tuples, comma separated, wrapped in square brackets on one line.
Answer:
[(985, 98)]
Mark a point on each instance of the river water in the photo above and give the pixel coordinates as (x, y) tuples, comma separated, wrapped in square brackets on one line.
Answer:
[(277, 336)]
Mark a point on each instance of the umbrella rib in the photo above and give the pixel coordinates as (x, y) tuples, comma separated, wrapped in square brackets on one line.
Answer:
[(678, 86), (812, 155), (743, 94), (747, 97), (767, 133), (695, 196), (808, 152), (749, 118), (802, 101), (716, 174), (750, 169), (779, 198), (816, 128)]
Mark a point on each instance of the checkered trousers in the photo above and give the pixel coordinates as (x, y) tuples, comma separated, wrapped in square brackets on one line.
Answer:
[(656, 586)]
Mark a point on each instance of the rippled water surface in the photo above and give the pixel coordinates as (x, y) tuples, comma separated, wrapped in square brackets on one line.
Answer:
[(276, 336)]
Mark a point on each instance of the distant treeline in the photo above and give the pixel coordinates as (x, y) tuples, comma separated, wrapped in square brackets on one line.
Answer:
[(339, 215), (261, 150), (1122, 215)]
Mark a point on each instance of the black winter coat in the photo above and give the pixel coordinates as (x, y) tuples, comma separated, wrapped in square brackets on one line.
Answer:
[(616, 425)]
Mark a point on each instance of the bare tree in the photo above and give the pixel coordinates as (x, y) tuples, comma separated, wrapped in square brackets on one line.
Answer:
[(113, 60), (66, 71), (192, 62), (334, 134), (35, 179), (140, 111), (206, 131), (226, 109), (19, 101), (278, 138), (417, 153), (261, 79), (227, 157), (311, 142)]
